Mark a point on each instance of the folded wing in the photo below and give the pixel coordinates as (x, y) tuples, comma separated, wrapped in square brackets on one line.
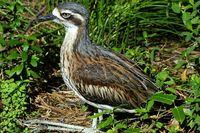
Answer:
[(112, 79)]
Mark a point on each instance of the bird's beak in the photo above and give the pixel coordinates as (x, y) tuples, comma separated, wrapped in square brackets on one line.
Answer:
[(46, 18)]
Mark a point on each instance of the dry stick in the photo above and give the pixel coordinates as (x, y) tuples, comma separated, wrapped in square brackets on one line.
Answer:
[(48, 125), (35, 18)]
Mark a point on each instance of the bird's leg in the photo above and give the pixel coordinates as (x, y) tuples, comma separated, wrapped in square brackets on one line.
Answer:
[(98, 120), (100, 117), (94, 122), (42, 125)]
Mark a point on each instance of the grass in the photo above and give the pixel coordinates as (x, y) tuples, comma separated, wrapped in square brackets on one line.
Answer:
[(161, 36)]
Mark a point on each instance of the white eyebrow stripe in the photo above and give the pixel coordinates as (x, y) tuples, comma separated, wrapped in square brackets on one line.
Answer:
[(79, 17), (67, 11), (56, 13), (74, 14)]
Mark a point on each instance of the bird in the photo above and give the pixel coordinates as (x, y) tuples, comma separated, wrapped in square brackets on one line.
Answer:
[(99, 76)]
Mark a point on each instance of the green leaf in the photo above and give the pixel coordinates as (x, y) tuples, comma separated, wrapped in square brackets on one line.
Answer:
[(195, 84), (107, 122), (180, 63), (121, 125), (149, 105), (36, 48), (20, 8), (164, 98), (189, 100), (22, 88), (198, 39), (188, 25), (32, 37), (162, 75), (195, 20), (191, 2), (34, 63), (197, 120), (172, 90), (132, 130), (159, 124), (178, 114), (12, 55), (189, 50), (33, 74), (141, 110), (153, 53), (144, 116), (18, 69), (24, 56), (145, 34), (1, 28), (110, 131), (14, 42), (11, 6), (34, 60), (152, 35), (186, 20), (194, 14), (196, 5), (25, 47), (176, 8), (2, 42), (186, 16), (170, 82), (10, 73), (188, 36), (97, 115)]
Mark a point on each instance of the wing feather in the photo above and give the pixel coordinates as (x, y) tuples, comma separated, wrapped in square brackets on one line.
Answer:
[(111, 78)]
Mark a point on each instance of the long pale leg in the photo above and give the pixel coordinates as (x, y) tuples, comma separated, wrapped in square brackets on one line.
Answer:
[(94, 122), (100, 117), (40, 125), (98, 120)]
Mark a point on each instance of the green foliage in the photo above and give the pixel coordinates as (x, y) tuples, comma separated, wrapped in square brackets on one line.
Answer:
[(189, 10), (163, 78), (19, 58), (116, 126), (131, 23), (188, 51), (195, 84), (20, 55), (193, 113), (164, 98), (13, 96), (178, 114)]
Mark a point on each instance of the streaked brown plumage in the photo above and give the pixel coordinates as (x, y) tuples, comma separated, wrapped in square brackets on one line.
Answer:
[(100, 77)]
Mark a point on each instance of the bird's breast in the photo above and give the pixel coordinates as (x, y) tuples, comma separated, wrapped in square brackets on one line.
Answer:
[(66, 52)]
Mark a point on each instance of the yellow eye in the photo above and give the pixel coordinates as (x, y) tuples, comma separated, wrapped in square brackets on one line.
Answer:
[(65, 15)]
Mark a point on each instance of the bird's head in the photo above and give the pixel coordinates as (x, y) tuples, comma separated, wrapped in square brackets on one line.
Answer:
[(69, 15)]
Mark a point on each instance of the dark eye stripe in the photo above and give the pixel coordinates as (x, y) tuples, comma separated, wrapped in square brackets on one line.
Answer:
[(76, 21)]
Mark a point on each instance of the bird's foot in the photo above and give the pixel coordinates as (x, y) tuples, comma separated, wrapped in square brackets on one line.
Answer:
[(39, 125)]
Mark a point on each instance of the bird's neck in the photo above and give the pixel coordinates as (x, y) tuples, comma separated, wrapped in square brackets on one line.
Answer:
[(74, 38)]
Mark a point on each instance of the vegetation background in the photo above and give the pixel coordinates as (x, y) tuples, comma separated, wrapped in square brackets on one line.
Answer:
[(162, 36)]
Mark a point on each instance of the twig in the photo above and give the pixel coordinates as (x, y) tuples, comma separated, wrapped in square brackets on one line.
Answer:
[(35, 18), (48, 125), (164, 61)]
